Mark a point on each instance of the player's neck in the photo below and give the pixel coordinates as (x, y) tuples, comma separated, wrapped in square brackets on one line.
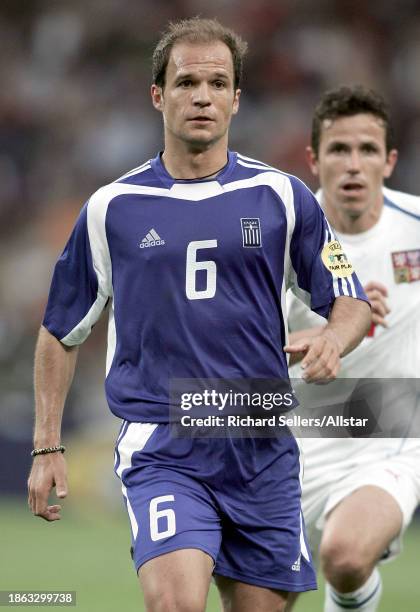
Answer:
[(345, 222), (184, 163)]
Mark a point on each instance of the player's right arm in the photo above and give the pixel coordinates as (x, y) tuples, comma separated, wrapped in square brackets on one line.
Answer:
[(54, 369), (80, 288)]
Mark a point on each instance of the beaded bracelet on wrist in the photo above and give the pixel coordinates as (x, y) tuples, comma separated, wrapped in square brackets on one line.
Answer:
[(47, 450)]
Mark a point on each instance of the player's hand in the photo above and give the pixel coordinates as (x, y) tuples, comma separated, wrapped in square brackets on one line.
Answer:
[(47, 471), (376, 294), (321, 361)]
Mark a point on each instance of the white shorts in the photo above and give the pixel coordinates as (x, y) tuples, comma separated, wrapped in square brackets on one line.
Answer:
[(333, 469)]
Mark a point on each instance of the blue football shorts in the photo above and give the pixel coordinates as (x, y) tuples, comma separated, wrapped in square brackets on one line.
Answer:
[(236, 499)]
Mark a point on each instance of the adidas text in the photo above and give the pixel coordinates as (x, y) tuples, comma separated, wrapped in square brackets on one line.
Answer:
[(296, 565), (144, 245)]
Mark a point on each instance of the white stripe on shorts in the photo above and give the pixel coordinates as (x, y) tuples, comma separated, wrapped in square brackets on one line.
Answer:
[(134, 440)]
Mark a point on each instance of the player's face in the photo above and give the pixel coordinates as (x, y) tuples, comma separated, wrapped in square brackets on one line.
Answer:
[(352, 163), (198, 99)]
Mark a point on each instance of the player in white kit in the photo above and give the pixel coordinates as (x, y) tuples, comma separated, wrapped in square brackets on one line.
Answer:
[(359, 494)]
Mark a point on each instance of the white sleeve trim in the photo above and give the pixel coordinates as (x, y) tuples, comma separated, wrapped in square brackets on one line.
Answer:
[(79, 333), (96, 215)]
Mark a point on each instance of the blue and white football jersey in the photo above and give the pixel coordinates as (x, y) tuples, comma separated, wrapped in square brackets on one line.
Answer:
[(196, 272)]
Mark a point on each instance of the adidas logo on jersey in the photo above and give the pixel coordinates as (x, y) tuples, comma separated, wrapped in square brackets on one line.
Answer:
[(151, 239), (296, 565)]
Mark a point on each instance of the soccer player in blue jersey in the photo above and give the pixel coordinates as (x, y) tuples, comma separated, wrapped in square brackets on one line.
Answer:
[(194, 250)]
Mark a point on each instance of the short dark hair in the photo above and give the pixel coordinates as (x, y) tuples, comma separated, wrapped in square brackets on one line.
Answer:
[(346, 101), (197, 30)]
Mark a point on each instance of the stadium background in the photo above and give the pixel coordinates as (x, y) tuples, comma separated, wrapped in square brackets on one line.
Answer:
[(75, 113)]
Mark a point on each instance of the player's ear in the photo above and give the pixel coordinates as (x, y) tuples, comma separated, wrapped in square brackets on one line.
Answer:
[(235, 107), (157, 97), (391, 160), (312, 160)]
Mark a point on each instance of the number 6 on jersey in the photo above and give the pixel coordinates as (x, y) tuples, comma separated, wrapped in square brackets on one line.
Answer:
[(192, 268), (156, 514)]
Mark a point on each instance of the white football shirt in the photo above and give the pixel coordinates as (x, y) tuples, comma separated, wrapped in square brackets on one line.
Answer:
[(389, 252)]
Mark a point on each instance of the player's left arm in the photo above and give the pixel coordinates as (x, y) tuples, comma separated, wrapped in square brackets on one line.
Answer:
[(324, 279), (376, 293), (299, 339), (321, 348)]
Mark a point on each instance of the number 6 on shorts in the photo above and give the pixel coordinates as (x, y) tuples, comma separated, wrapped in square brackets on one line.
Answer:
[(156, 514)]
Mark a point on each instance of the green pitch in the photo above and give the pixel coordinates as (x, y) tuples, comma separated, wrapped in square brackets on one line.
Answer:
[(89, 555)]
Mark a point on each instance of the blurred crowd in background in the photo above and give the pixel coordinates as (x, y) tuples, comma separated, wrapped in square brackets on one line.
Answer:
[(75, 113)]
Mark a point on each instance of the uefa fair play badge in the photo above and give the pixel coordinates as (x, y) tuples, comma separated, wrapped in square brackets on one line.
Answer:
[(335, 260)]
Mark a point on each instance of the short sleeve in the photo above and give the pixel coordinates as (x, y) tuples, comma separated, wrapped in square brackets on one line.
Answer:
[(76, 298), (319, 274)]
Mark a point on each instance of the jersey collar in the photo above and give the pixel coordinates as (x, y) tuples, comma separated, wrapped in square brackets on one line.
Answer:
[(164, 176)]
